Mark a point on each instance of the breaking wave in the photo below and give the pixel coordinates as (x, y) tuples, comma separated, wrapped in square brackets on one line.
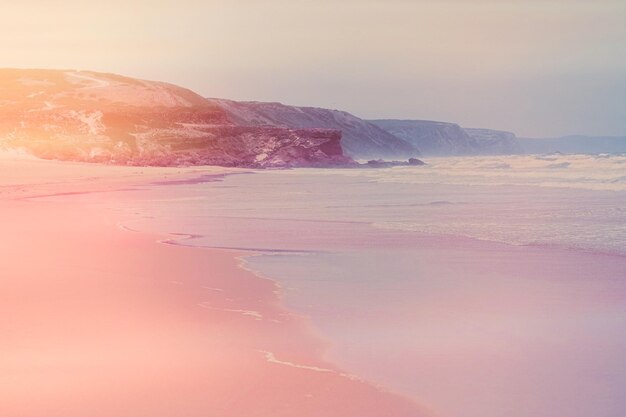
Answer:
[(591, 172)]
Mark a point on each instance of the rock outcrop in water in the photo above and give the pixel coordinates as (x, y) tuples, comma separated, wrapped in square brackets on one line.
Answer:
[(95, 117), (450, 139), (361, 139), (381, 163)]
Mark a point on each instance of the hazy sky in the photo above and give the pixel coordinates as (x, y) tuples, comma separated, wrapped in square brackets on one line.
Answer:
[(539, 68)]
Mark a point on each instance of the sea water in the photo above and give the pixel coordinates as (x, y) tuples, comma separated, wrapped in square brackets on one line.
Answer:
[(480, 287)]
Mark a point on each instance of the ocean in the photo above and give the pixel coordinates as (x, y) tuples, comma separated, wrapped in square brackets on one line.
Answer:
[(479, 286)]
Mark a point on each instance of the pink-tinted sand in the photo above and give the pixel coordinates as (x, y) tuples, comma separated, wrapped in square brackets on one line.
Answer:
[(96, 320)]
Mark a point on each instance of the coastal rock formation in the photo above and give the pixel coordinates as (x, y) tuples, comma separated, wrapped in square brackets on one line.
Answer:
[(380, 163), (450, 139), (95, 117), (255, 147), (361, 139), (432, 138), (495, 142)]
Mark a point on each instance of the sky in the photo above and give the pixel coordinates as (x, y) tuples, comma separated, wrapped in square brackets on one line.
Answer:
[(538, 68)]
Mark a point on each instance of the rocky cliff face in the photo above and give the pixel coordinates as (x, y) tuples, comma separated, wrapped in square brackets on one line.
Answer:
[(432, 138), (243, 146), (361, 139), (88, 116), (495, 142), (449, 139)]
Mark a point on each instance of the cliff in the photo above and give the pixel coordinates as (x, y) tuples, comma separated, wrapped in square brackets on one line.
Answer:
[(95, 117), (432, 138), (242, 146), (450, 139), (361, 139), (495, 142)]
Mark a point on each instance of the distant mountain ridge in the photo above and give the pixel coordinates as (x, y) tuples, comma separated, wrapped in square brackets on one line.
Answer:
[(360, 139)]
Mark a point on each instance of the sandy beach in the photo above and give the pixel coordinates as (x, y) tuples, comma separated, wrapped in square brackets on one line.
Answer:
[(313, 208), (133, 292), (98, 320)]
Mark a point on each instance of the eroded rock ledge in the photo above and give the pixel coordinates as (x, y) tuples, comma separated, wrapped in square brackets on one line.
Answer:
[(106, 118)]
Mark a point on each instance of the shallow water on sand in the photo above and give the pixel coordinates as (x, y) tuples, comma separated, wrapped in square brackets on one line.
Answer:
[(387, 266)]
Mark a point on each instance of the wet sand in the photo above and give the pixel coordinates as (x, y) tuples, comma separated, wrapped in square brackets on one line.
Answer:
[(469, 327), (97, 320)]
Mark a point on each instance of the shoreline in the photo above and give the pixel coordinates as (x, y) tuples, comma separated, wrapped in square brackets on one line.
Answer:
[(264, 332), (106, 322), (509, 318), (526, 298)]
